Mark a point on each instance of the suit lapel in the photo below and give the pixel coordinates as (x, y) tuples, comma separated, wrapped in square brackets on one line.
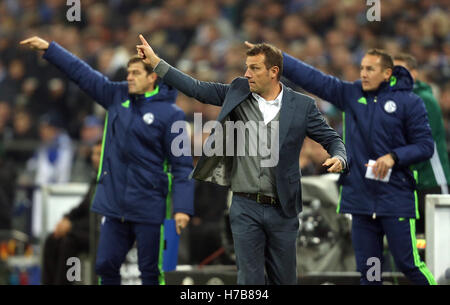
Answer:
[(232, 100), (286, 113), (214, 168)]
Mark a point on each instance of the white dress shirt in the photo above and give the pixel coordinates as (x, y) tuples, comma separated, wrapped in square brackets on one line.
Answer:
[(269, 109)]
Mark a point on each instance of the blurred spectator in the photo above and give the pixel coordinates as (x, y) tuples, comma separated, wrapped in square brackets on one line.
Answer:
[(5, 121), (23, 125), (51, 163), (10, 87), (91, 132), (71, 235), (24, 137), (208, 223), (7, 187)]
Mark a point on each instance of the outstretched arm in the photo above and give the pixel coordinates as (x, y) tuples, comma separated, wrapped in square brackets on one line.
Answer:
[(325, 86), (205, 92), (96, 85)]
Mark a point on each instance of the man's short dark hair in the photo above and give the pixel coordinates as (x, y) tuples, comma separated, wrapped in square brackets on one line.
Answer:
[(408, 59), (386, 58), (273, 56), (148, 68)]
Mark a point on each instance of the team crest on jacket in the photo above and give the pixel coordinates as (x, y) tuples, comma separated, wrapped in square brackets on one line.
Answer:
[(390, 106), (148, 118)]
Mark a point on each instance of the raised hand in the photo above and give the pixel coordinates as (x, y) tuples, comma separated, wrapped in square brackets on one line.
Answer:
[(36, 43), (146, 52)]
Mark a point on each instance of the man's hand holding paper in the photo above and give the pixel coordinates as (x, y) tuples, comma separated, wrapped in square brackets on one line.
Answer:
[(380, 169)]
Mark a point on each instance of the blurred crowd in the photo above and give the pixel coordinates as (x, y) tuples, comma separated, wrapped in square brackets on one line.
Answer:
[(202, 38)]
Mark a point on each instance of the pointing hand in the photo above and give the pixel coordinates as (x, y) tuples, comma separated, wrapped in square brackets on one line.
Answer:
[(36, 43), (146, 52)]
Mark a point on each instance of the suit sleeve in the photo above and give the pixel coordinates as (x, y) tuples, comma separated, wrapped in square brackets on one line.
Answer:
[(418, 134), (325, 86), (181, 167), (96, 85), (319, 130), (205, 92)]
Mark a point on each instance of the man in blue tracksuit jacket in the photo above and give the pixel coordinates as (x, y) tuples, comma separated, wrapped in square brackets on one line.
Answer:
[(385, 122), (139, 173)]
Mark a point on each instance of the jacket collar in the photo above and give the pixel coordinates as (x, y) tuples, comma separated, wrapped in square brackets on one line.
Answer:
[(147, 95)]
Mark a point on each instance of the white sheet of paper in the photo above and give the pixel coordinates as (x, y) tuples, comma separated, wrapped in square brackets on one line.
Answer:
[(370, 174)]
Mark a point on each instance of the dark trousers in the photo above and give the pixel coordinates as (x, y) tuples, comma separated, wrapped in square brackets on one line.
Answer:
[(116, 239), (56, 253), (367, 237), (263, 239)]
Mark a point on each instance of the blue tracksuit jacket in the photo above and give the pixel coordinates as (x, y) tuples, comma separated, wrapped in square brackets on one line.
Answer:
[(138, 166), (390, 119)]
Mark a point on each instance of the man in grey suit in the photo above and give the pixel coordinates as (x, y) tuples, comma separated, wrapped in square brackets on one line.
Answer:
[(266, 189)]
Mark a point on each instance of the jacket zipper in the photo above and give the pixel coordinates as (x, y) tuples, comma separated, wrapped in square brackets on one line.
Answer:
[(133, 109), (374, 214)]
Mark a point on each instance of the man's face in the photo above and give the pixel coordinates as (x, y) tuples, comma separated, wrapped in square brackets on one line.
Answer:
[(259, 77), (138, 80), (90, 134), (48, 133), (22, 122), (372, 73)]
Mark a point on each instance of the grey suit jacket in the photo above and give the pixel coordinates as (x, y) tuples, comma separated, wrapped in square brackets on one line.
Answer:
[(299, 117)]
